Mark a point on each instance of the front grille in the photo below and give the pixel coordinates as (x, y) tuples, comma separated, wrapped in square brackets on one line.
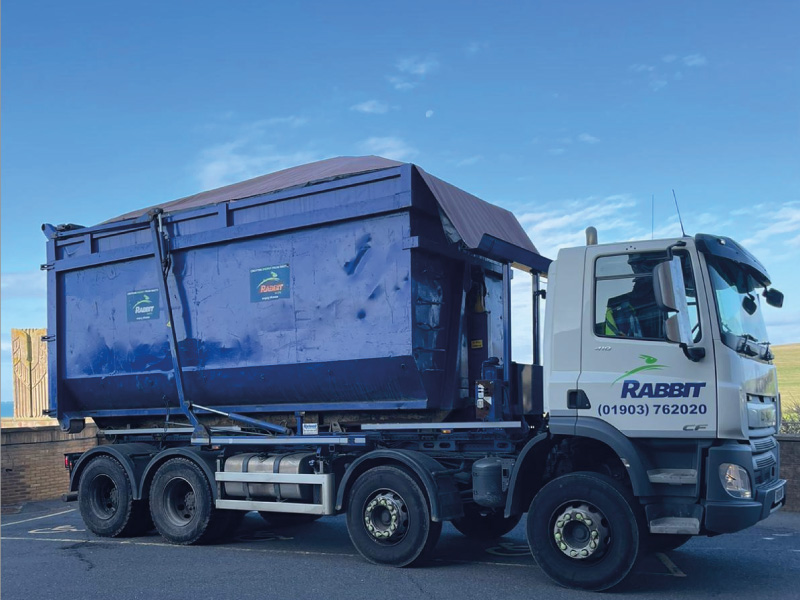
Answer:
[(765, 460), (763, 445)]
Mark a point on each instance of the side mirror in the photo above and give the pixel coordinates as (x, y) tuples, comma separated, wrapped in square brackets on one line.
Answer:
[(670, 293), (773, 297)]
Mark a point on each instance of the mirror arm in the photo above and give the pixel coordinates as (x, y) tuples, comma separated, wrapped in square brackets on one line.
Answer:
[(678, 244), (693, 353)]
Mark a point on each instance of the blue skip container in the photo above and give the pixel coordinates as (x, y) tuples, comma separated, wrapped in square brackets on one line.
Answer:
[(345, 285)]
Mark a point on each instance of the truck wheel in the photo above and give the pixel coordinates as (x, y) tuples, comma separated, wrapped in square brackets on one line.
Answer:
[(280, 520), (388, 518), (484, 523), (583, 531), (664, 542), (106, 501), (182, 505)]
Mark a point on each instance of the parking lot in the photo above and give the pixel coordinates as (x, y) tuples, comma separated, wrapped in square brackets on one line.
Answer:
[(47, 553)]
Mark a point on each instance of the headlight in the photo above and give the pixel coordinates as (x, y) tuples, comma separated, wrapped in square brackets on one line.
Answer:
[(735, 480)]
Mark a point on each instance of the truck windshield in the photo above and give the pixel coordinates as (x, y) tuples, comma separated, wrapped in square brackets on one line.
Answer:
[(739, 307)]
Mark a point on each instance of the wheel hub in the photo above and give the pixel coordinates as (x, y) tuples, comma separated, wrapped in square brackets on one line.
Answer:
[(386, 517), (580, 532)]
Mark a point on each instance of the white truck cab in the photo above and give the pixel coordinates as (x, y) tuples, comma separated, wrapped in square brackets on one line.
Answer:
[(669, 364)]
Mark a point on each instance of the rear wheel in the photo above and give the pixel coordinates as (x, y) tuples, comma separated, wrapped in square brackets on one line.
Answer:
[(583, 531), (182, 504), (480, 523), (105, 498), (388, 518)]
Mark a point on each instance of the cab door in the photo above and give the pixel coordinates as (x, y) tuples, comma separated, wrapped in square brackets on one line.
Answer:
[(631, 376)]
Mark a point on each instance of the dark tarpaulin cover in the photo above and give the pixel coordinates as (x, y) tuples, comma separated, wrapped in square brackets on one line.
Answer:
[(465, 217)]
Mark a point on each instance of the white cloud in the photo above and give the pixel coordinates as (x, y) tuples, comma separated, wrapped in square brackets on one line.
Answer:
[(474, 48), (695, 60), (244, 159), (28, 284), (588, 139), (428, 114), (561, 225), (401, 83), (412, 71), (417, 66), (291, 121), (557, 151), (777, 228), (640, 68), (251, 152), (657, 84), (373, 107), (668, 58), (388, 147), (469, 161)]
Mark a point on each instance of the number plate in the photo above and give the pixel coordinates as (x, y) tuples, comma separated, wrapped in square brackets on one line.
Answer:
[(779, 493)]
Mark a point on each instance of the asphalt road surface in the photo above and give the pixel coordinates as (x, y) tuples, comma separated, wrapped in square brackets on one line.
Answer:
[(47, 553)]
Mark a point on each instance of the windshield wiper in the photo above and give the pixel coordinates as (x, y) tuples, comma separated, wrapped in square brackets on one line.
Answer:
[(745, 347)]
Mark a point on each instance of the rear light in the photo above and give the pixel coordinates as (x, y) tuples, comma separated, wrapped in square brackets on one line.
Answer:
[(67, 464)]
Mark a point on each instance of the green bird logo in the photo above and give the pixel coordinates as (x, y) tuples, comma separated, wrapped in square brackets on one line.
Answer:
[(273, 276), (145, 300), (650, 364)]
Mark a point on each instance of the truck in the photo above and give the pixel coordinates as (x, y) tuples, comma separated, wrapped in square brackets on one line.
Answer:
[(335, 339)]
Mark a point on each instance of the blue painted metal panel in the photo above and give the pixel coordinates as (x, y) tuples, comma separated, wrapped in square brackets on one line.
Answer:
[(317, 298)]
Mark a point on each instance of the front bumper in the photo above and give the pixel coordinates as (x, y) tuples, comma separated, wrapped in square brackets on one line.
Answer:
[(723, 512), (727, 517)]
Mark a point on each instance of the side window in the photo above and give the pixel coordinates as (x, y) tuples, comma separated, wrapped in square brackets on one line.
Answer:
[(625, 304)]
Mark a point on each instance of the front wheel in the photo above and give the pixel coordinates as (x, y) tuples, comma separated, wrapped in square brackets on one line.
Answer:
[(583, 531), (388, 518)]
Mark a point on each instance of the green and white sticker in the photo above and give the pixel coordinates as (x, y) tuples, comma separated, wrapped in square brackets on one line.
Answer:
[(143, 305), (269, 283)]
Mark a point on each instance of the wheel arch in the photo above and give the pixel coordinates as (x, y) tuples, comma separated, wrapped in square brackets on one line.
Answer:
[(528, 474), (443, 495), (600, 431), (207, 461), (530, 469), (133, 458)]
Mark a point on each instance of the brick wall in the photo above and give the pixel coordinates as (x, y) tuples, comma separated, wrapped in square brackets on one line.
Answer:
[(790, 469), (33, 461)]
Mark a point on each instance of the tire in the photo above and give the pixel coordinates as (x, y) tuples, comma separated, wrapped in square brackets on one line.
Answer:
[(105, 498), (388, 518), (664, 542), (182, 505), (580, 508), (483, 523), (281, 520)]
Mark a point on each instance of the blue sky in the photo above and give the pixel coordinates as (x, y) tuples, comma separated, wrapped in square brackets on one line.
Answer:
[(570, 114)]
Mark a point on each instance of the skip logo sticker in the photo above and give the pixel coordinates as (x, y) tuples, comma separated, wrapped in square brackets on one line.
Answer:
[(269, 283), (633, 388), (143, 305)]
